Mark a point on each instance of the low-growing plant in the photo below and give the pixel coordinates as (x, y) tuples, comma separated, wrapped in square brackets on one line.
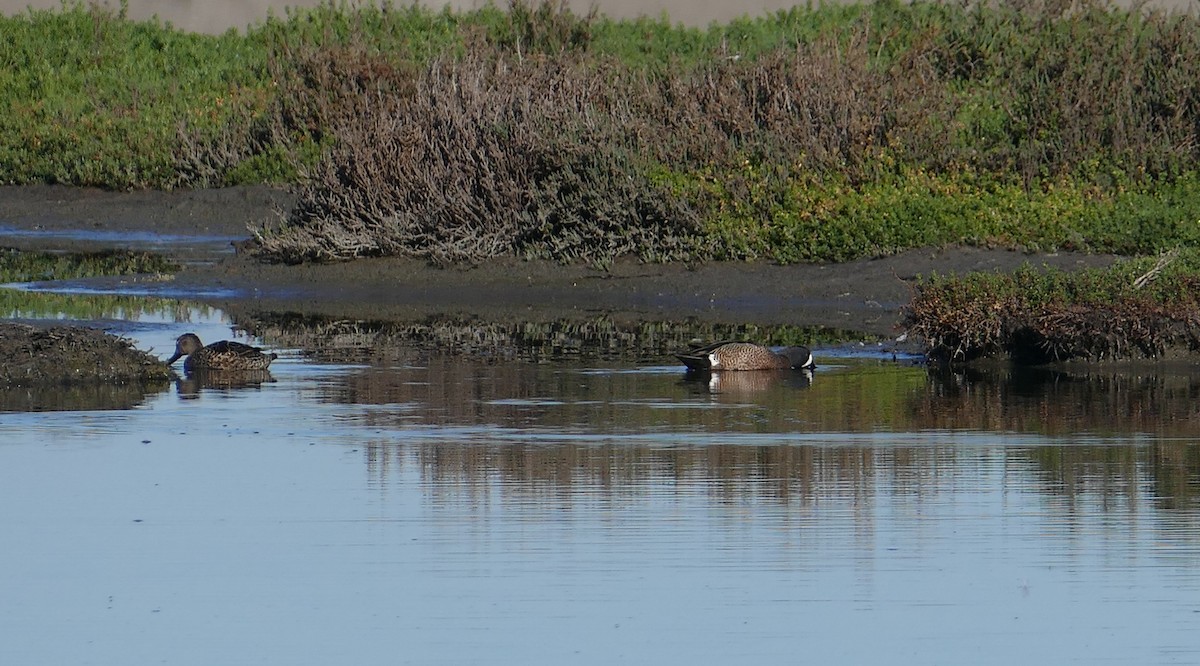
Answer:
[(1135, 309), (92, 98), (30, 266)]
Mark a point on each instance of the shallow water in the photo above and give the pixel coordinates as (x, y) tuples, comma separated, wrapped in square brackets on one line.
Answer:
[(422, 507), (188, 246)]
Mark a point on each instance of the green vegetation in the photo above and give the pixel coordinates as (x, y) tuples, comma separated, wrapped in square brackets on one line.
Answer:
[(1138, 308), (23, 266), (820, 133)]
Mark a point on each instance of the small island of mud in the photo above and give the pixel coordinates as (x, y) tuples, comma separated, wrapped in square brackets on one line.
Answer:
[(57, 355)]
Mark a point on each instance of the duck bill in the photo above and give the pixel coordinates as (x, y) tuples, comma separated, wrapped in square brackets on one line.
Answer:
[(174, 358)]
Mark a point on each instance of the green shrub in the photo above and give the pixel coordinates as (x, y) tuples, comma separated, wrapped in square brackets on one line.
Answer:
[(92, 98), (819, 133)]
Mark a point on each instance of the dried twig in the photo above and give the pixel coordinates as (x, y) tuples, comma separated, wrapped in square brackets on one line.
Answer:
[(1163, 261)]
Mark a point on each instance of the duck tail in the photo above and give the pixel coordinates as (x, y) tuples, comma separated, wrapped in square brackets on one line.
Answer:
[(697, 362)]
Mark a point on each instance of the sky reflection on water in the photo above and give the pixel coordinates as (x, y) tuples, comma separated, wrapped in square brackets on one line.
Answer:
[(454, 511)]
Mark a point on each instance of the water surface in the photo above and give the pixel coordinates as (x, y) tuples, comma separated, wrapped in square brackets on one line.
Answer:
[(410, 505)]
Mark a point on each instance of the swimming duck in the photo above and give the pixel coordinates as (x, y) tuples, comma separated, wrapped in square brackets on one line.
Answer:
[(223, 355), (745, 356)]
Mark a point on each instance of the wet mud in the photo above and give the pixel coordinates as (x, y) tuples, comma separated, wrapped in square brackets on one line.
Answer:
[(865, 296)]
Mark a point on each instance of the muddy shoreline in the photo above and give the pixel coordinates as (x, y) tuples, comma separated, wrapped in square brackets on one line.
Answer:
[(863, 296)]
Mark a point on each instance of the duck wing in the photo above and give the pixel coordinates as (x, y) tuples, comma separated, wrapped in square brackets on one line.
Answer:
[(234, 348), (697, 359)]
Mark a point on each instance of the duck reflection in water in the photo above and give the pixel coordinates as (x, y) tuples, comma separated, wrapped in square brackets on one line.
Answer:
[(221, 380), (745, 383)]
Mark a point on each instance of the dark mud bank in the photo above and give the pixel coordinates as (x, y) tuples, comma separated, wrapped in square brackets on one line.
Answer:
[(865, 295)]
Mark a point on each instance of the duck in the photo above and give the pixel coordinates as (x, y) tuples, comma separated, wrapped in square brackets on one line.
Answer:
[(733, 355), (223, 355)]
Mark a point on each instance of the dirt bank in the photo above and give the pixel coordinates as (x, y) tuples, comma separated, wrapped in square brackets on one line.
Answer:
[(864, 295)]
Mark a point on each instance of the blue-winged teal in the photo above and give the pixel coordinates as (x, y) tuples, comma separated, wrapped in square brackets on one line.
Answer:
[(223, 355), (745, 356)]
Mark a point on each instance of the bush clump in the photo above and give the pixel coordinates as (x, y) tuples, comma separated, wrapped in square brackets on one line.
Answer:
[(463, 161), (1141, 308)]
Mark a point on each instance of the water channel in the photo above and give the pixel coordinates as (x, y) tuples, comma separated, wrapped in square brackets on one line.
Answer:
[(418, 494)]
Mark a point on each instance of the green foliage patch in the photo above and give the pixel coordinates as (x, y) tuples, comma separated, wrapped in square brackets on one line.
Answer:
[(24, 266), (819, 133), (769, 214)]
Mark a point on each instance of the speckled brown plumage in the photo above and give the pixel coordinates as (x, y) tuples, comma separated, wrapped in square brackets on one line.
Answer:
[(744, 356), (223, 355)]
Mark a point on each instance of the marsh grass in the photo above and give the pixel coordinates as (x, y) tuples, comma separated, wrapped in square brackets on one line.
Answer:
[(1142, 308), (30, 266)]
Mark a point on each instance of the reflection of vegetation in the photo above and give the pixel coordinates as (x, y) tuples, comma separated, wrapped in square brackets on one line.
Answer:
[(1071, 471), (1111, 477), (1176, 473), (1113, 406), (801, 475), (78, 397), (38, 304), (875, 396), (596, 338), (1085, 479), (28, 266), (556, 402), (1161, 403)]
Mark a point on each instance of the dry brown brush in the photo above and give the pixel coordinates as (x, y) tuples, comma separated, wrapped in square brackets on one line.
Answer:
[(569, 157), (475, 158)]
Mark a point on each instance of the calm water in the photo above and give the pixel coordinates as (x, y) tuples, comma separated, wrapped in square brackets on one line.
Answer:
[(417, 507)]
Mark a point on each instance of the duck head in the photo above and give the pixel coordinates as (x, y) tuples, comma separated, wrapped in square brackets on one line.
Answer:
[(185, 345), (800, 357)]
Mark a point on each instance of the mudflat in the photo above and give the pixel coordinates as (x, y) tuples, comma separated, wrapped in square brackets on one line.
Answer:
[(863, 296)]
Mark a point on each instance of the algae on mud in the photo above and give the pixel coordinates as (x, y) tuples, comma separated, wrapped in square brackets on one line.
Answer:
[(29, 266)]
